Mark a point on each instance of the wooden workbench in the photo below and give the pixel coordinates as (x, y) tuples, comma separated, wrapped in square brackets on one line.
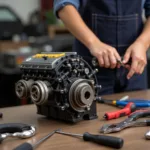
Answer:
[(133, 137)]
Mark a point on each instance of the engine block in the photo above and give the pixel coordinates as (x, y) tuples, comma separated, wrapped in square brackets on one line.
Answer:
[(62, 85)]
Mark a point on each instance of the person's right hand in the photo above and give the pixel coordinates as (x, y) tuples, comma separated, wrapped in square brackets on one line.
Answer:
[(106, 55)]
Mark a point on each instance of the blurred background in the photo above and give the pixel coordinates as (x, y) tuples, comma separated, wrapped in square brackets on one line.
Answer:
[(28, 27)]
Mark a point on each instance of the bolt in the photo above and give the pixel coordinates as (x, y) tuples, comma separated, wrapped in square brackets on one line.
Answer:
[(92, 81), (66, 105), (86, 70), (81, 64), (88, 108), (62, 91), (78, 59), (59, 80), (96, 70), (69, 65), (62, 108), (75, 71), (65, 90), (98, 87), (78, 116)]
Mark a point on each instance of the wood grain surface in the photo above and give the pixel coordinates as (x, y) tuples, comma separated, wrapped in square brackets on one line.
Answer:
[(133, 137)]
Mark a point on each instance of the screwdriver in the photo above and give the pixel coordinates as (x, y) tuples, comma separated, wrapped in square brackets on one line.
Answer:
[(110, 141), (112, 102), (127, 110), (28, 146)]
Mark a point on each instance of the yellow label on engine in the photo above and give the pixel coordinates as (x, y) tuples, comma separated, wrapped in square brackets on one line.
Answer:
[(49, 55)]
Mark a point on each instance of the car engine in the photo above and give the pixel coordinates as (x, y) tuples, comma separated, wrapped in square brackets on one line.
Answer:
[(62, 85)]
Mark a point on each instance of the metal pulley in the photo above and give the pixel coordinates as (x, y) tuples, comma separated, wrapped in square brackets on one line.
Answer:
[(40, 91), (22, 88), (81, 94)]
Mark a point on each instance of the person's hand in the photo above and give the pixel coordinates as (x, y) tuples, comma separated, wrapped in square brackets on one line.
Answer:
[(106, 55), (137, 51)]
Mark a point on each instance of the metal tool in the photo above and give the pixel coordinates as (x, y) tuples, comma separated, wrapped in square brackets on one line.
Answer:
[(120, 62), (140, 103), (129, 122), (110, 141), (127, 110), (147, 135), (28, 146), (16, 130)]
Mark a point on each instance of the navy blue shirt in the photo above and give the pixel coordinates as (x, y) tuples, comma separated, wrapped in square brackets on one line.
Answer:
[(58, 4)]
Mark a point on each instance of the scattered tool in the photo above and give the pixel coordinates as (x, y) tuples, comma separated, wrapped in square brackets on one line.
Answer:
[(140, 103), (120, 62), (16, 130), (129, 122), (124, 98), (127, 110), (110, 141), (147, 135), (28, 146)]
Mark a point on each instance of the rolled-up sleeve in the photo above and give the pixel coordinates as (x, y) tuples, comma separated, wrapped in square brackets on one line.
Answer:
[(147, 8), (58, 4)]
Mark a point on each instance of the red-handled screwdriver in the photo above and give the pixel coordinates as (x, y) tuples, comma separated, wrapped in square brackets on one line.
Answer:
[(127, 110)]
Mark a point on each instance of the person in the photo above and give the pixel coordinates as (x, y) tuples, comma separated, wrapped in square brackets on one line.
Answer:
[(110, 30)]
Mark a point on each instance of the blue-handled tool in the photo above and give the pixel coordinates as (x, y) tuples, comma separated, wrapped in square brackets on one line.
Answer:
[(136, 100), (140, 103)]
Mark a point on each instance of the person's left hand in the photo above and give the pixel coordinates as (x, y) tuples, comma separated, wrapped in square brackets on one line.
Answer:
[(137, 52)]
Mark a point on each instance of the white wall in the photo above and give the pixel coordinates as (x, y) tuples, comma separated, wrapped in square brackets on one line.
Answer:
[(22, 7)]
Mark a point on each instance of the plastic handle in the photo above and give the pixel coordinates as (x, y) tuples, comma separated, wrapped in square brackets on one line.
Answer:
[(138, 104), (110, 141), (130, 107), (24, 146), (13, 127)]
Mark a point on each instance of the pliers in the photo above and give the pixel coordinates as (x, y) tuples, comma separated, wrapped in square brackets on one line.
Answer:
[(129, 122), (120, 62)]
